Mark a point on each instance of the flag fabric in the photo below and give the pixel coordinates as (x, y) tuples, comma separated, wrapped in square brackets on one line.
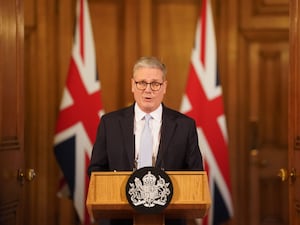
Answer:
[(203, 101), (79, 115)]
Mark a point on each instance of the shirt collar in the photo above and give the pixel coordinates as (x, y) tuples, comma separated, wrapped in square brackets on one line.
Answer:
[(156, 114)]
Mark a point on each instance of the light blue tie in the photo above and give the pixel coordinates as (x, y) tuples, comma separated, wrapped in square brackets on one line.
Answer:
[(145, 156)]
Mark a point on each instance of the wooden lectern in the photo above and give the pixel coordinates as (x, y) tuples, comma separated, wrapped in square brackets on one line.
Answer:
[(107, 197)]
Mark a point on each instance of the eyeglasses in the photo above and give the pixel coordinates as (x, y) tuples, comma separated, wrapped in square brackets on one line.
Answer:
[(142, 85)]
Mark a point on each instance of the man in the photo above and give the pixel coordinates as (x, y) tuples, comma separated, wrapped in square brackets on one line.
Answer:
[(174, 135)]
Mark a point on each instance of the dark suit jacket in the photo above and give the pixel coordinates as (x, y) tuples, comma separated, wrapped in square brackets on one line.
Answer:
[(114, 148)]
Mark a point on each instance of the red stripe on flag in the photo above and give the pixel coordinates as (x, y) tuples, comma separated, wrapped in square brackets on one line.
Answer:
[(81, 30), (205, 112), (203, 32), (83, 108)]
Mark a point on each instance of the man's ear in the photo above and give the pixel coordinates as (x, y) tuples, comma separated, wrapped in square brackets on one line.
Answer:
[(165, 86)]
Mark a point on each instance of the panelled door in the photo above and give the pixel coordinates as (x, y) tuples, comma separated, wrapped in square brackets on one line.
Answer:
[(12, 176)]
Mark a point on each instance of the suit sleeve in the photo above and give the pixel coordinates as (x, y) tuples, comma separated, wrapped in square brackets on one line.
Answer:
[(194, 157), (99, 159)]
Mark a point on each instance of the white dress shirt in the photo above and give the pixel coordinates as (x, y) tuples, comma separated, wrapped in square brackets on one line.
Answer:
[(155, 125)]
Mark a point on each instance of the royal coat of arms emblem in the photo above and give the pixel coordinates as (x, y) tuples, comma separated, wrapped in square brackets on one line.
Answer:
[(149, 190)]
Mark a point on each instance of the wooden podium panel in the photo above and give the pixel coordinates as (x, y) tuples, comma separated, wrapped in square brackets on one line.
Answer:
[(191, 196), (107, 195)]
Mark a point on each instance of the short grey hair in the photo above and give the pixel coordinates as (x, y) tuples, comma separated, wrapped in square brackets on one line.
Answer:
[(150, 62)]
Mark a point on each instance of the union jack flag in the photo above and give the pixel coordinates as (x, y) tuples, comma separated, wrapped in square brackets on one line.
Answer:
[(80, 112), (203, 101)]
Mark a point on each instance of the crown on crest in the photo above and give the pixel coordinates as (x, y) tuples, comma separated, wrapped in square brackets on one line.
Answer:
[(149, 179)]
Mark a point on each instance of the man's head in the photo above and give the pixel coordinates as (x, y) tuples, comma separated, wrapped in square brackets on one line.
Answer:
[(149, 83)]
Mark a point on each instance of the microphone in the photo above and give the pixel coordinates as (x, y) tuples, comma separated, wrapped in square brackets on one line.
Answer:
[(135, 158)]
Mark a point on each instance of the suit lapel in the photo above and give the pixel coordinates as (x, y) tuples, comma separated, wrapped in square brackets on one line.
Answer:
[(126, 123), (167, 130)]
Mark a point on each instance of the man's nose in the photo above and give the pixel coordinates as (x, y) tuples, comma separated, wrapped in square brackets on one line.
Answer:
[(148, 87)]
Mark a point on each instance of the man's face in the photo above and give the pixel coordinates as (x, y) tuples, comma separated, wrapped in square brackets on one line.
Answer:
[(148, 100)]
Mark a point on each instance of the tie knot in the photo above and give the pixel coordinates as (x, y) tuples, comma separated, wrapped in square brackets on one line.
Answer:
[(147, 118)]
